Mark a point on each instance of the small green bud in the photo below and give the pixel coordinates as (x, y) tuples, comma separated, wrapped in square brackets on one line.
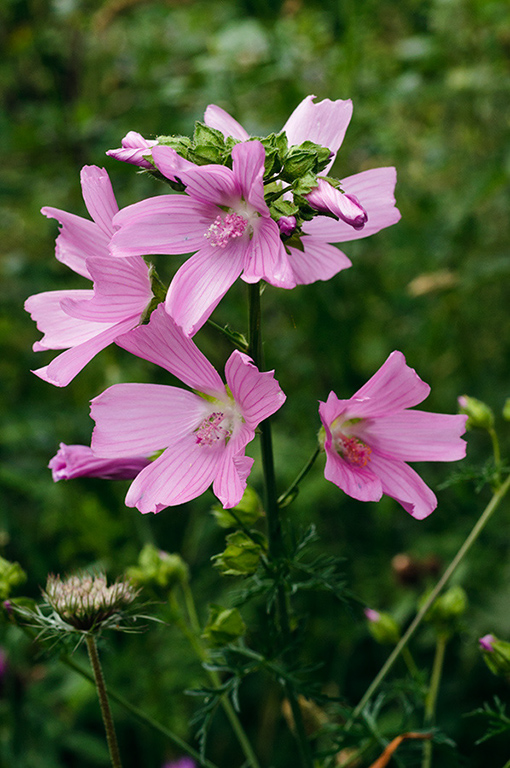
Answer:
[(158, 569), (223, 626), (479, 414), (496, 654), (246, 513), (242, 554), (447, 609), (506, 409), (11, 576), (383, 627), (298, 162)]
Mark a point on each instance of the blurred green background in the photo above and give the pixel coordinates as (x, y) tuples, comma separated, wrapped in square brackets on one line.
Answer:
[(430, 82)]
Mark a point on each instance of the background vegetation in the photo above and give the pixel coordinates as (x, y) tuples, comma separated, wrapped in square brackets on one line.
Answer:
[(430, 82)]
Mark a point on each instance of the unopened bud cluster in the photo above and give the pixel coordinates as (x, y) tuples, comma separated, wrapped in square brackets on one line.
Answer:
[(87, 601)]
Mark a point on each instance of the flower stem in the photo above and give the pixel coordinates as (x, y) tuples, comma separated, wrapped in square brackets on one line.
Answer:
[(497, 454), (431, 699), (111, 736), (292, 487), (480, 524), (275, 534)]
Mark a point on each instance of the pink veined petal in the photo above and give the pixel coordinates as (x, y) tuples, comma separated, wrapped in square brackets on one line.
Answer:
[(266, 258), (72, 461), (359, 482), (122, 289), (417, 436), (67, 365), (134, 147), (98, 196), (375, 191), (248, 167), (393, 387), (170, 224), (60, 330), (182, 473), (257, 394), (79, 239), (169, 162), (404, 485), (324, 123), (330, 410), (318, 261), (230, 481), (216, 117), (211, 184), (164, 343), (140, 419), (201, 282)]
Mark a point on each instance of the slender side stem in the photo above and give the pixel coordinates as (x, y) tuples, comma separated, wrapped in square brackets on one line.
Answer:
[(275, 535), (410, 663), (431, 699), (496, 452), (290, 490), (236, 338), (468, 543), (141, 715), (111, 736)]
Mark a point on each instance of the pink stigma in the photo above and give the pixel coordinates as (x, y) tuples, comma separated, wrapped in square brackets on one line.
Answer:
[(226, 227), (210, 431), (353, 450)]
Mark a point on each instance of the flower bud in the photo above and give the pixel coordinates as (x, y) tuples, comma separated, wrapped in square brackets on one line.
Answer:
[(72, 461), (287, 225), (506, 409), (347, 207), (158, 569), (446, 610), (242, 554), (11, 575), (496, 654), (224, 626), (479, 414), (383, 627)]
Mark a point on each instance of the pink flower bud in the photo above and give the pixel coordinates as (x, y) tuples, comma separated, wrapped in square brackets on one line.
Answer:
[(486, 643), (347, 207), (287, 225)]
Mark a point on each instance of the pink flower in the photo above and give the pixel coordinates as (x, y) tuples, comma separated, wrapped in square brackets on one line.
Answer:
[(371, 614), (134, 150), (72, 461), (369, 437), (86, 321), (367, 206), (203, 434), (486, 643), (223, 217)]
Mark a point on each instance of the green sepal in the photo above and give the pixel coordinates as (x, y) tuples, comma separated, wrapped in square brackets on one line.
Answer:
[(384, 629), (246, 513), (159, 291), (506, 409), (224, 625), (205, 154), (242, 554), (157, 569), (204, 135), (181, 144), (284, 207), (498, 660), (479, 413), (11, 576), (305, 184)]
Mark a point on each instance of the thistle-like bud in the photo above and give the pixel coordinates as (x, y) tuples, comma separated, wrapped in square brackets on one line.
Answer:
[(383, 627), (496, 654), (479, 414), (86, 602)]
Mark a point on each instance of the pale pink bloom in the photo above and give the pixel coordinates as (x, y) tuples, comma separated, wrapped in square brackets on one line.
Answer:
[(203, 433), (72, 461), (84, 322), (222, 216), (369, 437), (486, 643), (368, 202), (134, 150)]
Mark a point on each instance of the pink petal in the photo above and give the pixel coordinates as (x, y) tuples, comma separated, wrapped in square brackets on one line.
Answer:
[(375, 191), (404, 485), (324, 123), (79, 239), (98, 196), (66, 366), (359, 482), (318, 261), (182, 473), (266, 258), (60, 330), (134, 150), (169, 162), (230, 482), (347, 207), (201, 282), (216, 117), (211, 184), (417, 436), (72, 461), (140, 419), (164, 343), (257, 394), (122, 289), (393, 387), (248, 167), (165, 224)]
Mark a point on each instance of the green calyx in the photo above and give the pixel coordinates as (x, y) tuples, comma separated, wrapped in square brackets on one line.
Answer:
[(242, 554), (223, 626)]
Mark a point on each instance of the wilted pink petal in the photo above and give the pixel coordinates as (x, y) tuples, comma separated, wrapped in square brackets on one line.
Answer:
[(369, 437), (72, 461)]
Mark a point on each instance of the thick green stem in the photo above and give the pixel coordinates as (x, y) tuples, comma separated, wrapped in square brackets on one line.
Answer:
[(111, 736), (431, 699), (275, 534), (468, 543)]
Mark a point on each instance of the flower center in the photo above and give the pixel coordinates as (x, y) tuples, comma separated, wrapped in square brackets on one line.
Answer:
[(225, 227), (352, 449), (211, 430)]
